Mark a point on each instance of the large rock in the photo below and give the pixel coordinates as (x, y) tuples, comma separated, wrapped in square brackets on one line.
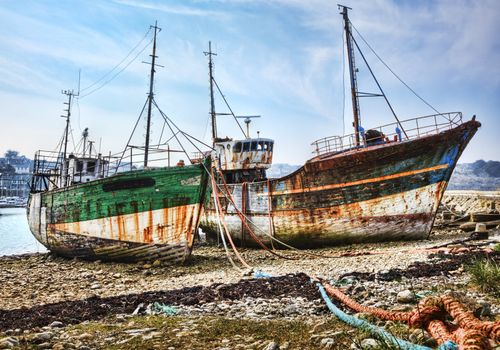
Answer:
[(370, 343), (406, 297)]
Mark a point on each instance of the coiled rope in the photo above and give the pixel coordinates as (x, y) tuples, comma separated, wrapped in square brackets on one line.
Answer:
[(469, 333)]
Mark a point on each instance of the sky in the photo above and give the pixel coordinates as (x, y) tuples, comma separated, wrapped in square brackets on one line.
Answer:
[(280, 59)]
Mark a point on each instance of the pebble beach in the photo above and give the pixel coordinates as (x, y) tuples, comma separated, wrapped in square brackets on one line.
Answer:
[(49, 302)]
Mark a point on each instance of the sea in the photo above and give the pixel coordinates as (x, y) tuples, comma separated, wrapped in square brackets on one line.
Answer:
[(15, 235)]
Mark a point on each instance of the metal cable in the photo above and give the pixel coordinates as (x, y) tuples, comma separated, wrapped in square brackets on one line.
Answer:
[(393, 73)]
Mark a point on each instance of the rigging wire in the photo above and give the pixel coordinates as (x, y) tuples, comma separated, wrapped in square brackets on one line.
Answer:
[(393, 73), (78, 106), (119, 72), (230, 110), (116, 66)]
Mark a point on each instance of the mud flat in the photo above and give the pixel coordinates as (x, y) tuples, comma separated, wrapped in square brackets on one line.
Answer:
[(51, 302)]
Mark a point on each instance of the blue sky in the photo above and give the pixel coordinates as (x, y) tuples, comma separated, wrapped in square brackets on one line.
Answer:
[(281, 59)]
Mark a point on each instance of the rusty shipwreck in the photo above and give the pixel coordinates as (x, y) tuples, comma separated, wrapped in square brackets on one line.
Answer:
[(384, 183), (87, 205)]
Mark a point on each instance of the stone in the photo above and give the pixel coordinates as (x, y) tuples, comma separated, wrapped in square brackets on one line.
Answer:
[(95, 286), (42, 337), (9, 342), (84, 336), (157, 263), (284, 346), (58, 346), (406, 297), (146, 266), (56, 324), (327, 343), (272, 346), (370, 343)]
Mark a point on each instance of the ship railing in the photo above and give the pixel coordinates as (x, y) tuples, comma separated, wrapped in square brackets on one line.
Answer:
[(132, 158), (405, 130), (46, 170)]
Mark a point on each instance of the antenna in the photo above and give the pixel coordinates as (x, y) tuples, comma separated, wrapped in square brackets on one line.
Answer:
[(247, 120), (79, 79)]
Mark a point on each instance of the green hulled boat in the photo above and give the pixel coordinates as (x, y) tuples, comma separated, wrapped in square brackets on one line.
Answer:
[(82, 206)]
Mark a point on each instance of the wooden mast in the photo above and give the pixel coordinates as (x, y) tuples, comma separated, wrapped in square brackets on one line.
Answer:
[(352, 71), (150, 95), (213, 115), (70, 95)]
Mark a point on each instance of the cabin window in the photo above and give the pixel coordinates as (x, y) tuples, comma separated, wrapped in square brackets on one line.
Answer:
[(79, 167), (91, 167), (271, 146), (261, 146), (246, 146), (228, 146), (254, 146), (237, 147)]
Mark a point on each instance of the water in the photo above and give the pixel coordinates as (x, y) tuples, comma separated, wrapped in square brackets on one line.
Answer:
[(15, 235)]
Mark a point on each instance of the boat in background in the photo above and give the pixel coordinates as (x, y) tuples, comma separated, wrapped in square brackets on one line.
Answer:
[(91, 206), (381, 184)]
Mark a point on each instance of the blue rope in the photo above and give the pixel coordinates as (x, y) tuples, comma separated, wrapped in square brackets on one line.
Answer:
[(377, 331), (261, 274)]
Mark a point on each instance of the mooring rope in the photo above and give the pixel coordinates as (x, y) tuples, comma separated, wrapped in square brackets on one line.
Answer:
[(470, 332), (222, 231), (374, 330), (220, 217), (242, 218)]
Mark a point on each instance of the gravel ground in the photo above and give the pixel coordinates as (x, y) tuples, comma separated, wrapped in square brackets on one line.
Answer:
[(42, 293)]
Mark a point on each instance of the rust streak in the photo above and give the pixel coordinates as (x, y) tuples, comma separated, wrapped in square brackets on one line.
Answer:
[(360, 182)]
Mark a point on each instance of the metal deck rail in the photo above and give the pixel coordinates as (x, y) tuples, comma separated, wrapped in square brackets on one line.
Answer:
[(414, 128)]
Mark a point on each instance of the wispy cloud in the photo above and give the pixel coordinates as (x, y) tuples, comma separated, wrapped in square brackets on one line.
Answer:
[(174, 9)]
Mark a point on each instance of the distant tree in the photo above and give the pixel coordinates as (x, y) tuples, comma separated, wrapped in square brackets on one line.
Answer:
[(11, 154)]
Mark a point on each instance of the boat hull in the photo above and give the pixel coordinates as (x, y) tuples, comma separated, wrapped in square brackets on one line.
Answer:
[(133, 216), (379, 193)]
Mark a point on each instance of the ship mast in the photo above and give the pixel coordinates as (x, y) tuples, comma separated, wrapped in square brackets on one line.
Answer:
[(70, 95), (352, 71), (213, 115), (150, 95)]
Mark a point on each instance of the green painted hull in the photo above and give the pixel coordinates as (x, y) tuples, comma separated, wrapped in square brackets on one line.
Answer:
[(135, 215)]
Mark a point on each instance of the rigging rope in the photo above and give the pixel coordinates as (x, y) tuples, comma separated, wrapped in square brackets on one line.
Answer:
[(118, 64), (117, 73), (390, 70)]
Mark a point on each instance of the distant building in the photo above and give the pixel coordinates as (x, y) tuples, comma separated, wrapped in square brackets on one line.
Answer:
[(15, 174)]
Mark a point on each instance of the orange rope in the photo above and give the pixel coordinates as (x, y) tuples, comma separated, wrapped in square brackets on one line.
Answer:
[(467, 320), (221, 218), (471, 333), (259, 242)]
